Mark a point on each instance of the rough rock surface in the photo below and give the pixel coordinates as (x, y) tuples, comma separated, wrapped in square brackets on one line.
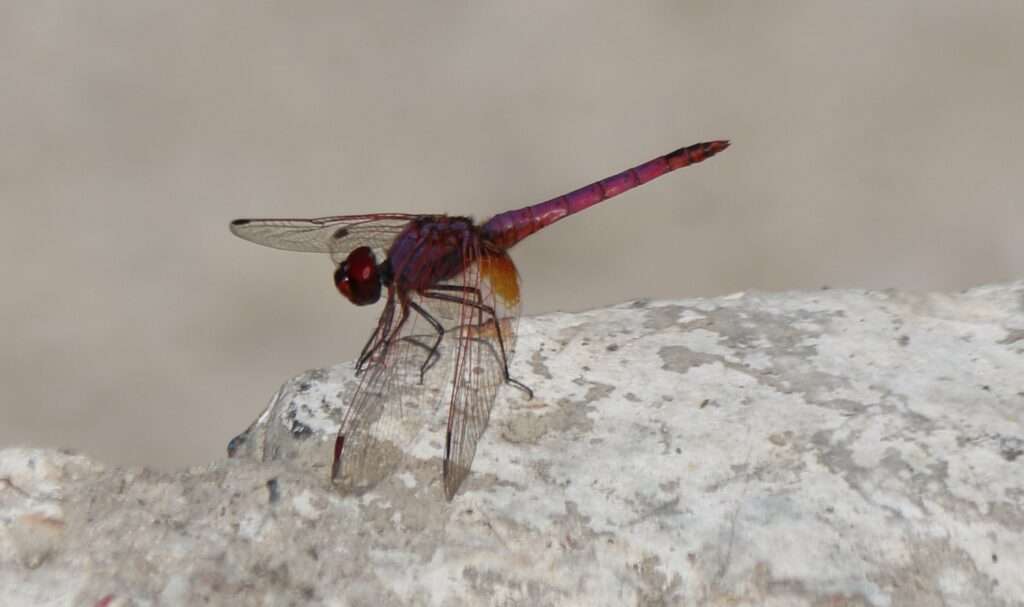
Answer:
[(813, 448)]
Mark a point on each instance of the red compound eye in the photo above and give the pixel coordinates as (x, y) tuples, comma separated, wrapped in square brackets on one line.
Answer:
[(357, 277)]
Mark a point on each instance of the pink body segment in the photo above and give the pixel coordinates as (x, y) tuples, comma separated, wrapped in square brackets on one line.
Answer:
[(508, 228)]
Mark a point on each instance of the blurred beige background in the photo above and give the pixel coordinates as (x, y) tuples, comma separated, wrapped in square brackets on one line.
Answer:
[(876, 144)]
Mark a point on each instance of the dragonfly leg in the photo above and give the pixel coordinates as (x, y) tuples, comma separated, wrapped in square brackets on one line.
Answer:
[(382, 330), (429, 362), (469, 291), (481, 309), (368, 350)]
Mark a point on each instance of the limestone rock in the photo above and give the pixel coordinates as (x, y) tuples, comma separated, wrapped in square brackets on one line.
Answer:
[(826, 447)]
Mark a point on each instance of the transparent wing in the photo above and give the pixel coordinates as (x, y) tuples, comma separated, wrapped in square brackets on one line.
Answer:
[(486, 337), (411, 369), (336, 236), (391, 405)]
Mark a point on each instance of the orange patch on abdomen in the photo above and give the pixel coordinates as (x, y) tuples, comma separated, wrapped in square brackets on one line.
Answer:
[(499, 270)]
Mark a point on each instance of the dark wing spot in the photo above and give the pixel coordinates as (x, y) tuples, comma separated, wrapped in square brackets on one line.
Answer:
[(240, 222), (340, 233)]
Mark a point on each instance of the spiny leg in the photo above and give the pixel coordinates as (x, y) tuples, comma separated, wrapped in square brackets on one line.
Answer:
[(377, 337), (439, 328), (483, 309), (469, 290), (429, 362), (367, 350)]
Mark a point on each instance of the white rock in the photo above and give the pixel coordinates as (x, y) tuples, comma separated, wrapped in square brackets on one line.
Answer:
[(828, 447)]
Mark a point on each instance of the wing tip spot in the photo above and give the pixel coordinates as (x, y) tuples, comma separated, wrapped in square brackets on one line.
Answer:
[(339, 445)]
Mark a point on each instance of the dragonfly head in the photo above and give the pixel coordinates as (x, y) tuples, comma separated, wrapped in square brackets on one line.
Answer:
[(357, 277)]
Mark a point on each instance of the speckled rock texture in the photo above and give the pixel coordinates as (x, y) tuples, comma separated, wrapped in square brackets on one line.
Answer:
[(808, 448)]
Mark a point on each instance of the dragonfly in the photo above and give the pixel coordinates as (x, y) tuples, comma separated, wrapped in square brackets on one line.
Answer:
[(450, 312)]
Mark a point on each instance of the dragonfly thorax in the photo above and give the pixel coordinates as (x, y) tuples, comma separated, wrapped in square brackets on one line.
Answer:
[(358, 277)]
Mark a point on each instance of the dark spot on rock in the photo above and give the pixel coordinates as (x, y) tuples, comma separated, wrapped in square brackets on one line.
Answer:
[(995, 558), (681, 359), (1012, 336), (300, 430), (273, 491), (1010, 448), (236, 443), (903, 340), (612, 348)]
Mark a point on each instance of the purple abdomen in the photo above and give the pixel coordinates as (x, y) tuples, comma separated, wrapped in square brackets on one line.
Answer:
[(508, 228)]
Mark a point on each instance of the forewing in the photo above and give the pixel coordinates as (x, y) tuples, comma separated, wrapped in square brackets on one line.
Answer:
[(391, 404), (336, 236), (485, 345)]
